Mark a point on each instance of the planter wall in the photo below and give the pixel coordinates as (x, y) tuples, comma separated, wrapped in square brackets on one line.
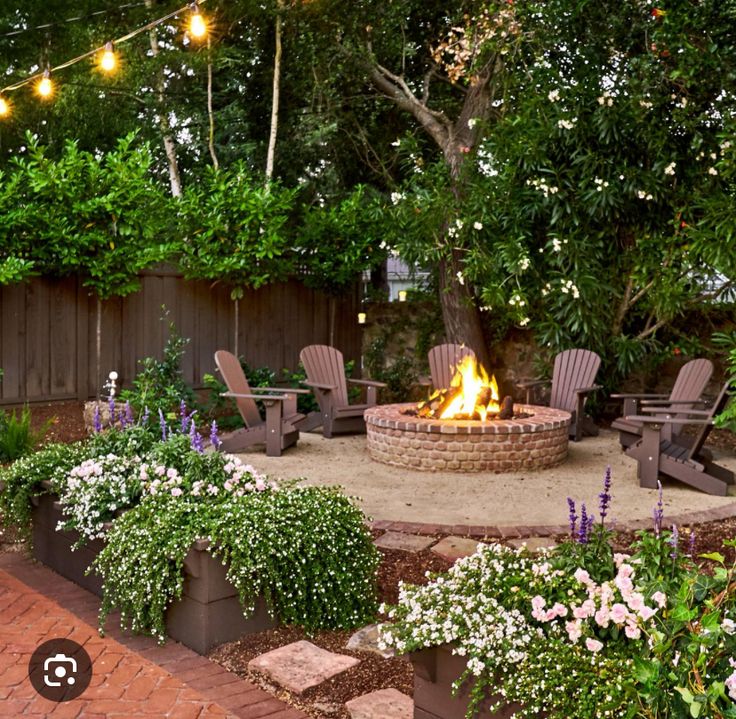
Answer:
[(209, 611), (435, 669)]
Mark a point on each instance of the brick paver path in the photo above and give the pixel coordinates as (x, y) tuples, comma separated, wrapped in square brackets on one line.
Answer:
[(132, 676)]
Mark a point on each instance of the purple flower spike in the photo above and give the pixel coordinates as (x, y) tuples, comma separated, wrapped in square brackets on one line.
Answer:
[(97, 420), (658, 513), (572, 515), (605, 496), (691, 544), (184, 417), (162, 424), (195, 438), (111, 407), (144, 418), (214, 439), (583, 531), (674, 540), (129, 419)]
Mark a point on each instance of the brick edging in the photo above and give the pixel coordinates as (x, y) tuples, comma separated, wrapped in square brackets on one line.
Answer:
[(545, 530)]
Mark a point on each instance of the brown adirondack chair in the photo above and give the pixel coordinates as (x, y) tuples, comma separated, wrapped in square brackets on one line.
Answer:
[(325, 370), (280, 429), (692, 464), (572, 381), (443, 360), (686, 392)]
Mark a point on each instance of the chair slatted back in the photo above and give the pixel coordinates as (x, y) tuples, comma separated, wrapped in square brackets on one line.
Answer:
[(324, 364), (573, 369), (443, 360), (234, 377), (716, 408)]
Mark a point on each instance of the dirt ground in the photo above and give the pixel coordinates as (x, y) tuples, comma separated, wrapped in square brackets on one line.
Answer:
[(518, 498)]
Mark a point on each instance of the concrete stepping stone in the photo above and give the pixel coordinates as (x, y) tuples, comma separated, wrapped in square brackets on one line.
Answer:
[(301, 665), (366, 640), (452, 548), (381, 704), (403, 541), (533, 544)]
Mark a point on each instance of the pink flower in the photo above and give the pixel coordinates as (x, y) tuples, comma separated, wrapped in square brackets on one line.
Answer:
[(176, 492), (624, 584), (582, 576), (538, 602), (659, 599), (635, 601), (560, 610), (625, 570), (646, 613), (593, 645), (619, 559), (587, 609), (619, 613), (171, 473), (632, 631), (603, 616), (574, 630)]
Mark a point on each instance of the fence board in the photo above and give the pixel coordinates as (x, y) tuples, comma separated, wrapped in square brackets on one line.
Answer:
[(48, 331)]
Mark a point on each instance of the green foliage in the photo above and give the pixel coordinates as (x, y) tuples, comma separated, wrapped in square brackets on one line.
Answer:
[(16, 436), (22, 480), (400, 375), (727, 342), (160, 384)]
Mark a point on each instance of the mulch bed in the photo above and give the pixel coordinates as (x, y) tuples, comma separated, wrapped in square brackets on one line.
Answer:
[(327, 700)]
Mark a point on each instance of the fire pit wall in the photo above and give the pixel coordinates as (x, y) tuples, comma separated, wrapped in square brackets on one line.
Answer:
[(534, 442)]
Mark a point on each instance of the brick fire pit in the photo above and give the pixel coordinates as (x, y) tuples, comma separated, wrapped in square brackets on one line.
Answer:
[(497, 445)]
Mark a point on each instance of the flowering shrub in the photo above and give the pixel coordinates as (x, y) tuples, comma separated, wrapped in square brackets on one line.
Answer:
[(305, 550), (94, 490), (582, 631)]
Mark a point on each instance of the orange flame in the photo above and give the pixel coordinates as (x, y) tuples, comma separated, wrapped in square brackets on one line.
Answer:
[(478, 394)]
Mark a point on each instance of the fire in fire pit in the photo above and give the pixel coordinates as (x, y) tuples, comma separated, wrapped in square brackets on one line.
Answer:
[(471, 395)]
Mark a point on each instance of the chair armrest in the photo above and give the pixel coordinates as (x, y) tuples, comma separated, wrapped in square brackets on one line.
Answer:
[(639, 396), (319, 385), (527, 384), (587, 390), (367, 382), (283, 390), (668, 402), (661, 410), (263, 397), (645, 419)]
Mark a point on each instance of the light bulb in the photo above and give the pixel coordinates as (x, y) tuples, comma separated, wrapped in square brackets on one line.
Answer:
[(44, 87), (197, 24), (108, 59), (4, 107)]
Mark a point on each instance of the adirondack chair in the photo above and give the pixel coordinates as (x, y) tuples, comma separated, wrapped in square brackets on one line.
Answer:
[(443, 359), (692, 465), (326, 376), (689, 385), (280, 429), (572, 381)]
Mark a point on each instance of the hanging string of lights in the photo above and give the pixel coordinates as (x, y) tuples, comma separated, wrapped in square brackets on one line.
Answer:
[(105, 55)]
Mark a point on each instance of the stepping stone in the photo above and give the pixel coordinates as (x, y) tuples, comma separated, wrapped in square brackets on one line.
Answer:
[(533, 544), (381, 704), (452, 548), (366, 640), (403, 541), (301, 665)]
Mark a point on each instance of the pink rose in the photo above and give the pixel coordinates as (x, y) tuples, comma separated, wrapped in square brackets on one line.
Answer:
[(582, 576), (659, 599), (538, 602), (176, 492), (646, 613), (619, 613), (560, 610), (624, 584), (635, 601), (603, 617), (593, 645), (632, 631), (574, 630)]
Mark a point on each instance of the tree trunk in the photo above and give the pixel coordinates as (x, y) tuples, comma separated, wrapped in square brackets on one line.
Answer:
[(210, 111), (275, 95), (163, 121)]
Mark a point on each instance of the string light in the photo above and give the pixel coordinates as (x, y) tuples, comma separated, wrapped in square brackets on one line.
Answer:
[(44, 87), (4, 107), (197, 23), (108, 59)]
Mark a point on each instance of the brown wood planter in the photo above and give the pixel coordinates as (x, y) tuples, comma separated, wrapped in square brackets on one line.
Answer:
[(435, 669), (209, 612)]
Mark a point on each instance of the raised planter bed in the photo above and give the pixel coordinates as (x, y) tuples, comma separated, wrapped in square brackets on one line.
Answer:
[(209, 612), (435, 669)]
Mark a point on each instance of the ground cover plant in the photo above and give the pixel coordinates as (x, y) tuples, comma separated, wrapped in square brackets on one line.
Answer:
[(305, 550), (585, 631)]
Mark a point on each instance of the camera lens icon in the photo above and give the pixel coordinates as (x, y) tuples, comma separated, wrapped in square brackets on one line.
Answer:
[(59, 670)]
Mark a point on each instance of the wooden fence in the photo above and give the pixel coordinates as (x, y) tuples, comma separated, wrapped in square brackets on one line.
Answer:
[(48, 335)]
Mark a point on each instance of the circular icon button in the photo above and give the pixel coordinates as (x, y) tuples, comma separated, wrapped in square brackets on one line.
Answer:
[(60, 670)]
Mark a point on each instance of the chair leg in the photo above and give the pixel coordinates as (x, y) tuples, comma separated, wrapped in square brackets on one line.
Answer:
[(648, 456), (273, 428), (326, 425)]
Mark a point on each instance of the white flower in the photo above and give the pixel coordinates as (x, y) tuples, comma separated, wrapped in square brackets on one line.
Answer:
[(553, 95), (460, 277), (524, 264), (567, 124), (556, 245), (524, 322), (646, 104), (670, 169), (712, 171), (397, 197), (477, 225), (472, 122), (396, 142)]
